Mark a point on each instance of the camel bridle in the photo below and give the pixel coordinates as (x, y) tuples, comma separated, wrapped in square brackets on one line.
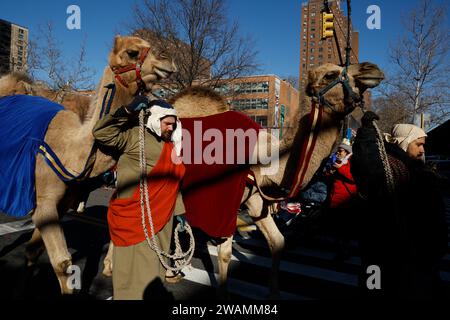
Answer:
[(352, 99), (133, 67)]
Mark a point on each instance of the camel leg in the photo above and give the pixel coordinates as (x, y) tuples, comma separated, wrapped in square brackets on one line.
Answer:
[(224, 257), (258, 211), (46, 220), (34, 248), (108, 261)]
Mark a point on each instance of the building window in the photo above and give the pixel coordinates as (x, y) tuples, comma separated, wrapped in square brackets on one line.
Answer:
[(313, 29), (250, 104), (311, 50), (320, 56), (313, 22), (313, 14), (304, 65), (20, 31), (253, 87), (20, 36), (311, 58), (320, 49), (312, 36), (329, 56), (261, 120)]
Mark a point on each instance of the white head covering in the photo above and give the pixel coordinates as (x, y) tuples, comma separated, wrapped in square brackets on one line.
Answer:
[(404, 134), (160, 109)]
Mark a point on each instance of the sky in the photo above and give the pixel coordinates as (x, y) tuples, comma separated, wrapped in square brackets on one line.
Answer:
[(274, 26)]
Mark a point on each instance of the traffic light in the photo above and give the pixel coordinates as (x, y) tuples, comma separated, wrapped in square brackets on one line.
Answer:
[(327, 25)]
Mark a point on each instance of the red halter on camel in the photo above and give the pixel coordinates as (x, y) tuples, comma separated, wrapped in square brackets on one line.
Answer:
[(135, 66)]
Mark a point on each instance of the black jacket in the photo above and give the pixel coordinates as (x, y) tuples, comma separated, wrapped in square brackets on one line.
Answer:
[(409, 225)]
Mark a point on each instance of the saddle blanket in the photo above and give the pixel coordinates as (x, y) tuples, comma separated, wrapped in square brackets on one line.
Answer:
[(214, 182), (23, 124)]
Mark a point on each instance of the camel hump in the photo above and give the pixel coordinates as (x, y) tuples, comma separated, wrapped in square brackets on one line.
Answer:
[(15, 83), (197, 101)]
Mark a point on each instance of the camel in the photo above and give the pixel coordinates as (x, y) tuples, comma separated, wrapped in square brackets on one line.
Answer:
[(19, 83), (72, 141), (200, 102)]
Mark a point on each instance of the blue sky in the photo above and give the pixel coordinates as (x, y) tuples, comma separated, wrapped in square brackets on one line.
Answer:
[(273, 24)]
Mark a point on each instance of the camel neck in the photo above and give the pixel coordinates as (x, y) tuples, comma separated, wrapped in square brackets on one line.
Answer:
[(326, 138), (96, 106)]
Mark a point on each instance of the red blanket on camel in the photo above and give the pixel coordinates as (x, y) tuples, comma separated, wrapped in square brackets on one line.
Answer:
[(217, 161)]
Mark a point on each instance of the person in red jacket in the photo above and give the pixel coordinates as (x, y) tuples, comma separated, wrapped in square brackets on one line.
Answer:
[(342, 190), (343, 187)]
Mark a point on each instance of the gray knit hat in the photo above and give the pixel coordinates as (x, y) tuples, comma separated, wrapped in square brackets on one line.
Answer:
[(346, 147)]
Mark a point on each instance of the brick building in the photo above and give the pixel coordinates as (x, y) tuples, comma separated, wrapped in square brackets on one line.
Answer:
[(13, 47), (267, 99), (315, 51)]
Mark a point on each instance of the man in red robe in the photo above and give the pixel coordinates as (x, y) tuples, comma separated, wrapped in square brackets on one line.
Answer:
[(136, 266)]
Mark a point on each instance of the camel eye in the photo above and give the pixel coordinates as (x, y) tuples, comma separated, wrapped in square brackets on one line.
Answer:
[(133, 54), (331, 75), (163, 54)]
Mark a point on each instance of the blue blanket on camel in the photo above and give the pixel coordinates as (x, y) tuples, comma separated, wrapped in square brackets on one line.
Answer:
[(23, 124)]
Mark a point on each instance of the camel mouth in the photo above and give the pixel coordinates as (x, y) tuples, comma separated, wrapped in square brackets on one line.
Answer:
[(162, 74)]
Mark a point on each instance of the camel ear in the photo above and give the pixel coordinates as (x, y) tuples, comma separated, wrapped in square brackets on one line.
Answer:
[(366, 75), (117, 43), (23, 88)]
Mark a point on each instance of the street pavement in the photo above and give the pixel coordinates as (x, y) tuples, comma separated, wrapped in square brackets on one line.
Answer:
[(309, 269)]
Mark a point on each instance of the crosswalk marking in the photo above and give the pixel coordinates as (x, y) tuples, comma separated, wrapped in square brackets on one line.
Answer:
[(16, 226), (235, 286), (299, 250), (296, 268)]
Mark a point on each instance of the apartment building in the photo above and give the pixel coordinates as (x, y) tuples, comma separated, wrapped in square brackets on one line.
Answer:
[(13, 47)]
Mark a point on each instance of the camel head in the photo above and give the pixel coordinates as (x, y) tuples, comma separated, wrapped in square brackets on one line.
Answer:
[(137, 65), (360, 77)]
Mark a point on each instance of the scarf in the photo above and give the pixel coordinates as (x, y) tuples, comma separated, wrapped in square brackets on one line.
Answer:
[(403, 134), (160, 111)]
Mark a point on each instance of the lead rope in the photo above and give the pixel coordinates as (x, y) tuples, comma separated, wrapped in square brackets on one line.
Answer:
[(384, 159), (179, 257)]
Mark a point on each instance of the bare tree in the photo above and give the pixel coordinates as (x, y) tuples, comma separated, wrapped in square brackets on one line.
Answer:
[(206, 47), (64, 73), (293, 80), (391, 111), (420, 74)]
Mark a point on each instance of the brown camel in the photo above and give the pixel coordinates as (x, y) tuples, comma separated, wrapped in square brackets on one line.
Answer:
[(200, 102), (19, 83), (72, 141)]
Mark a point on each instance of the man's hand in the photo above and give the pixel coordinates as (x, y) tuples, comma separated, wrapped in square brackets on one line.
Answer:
[(368, 118), (182, 221), (139, 103)]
